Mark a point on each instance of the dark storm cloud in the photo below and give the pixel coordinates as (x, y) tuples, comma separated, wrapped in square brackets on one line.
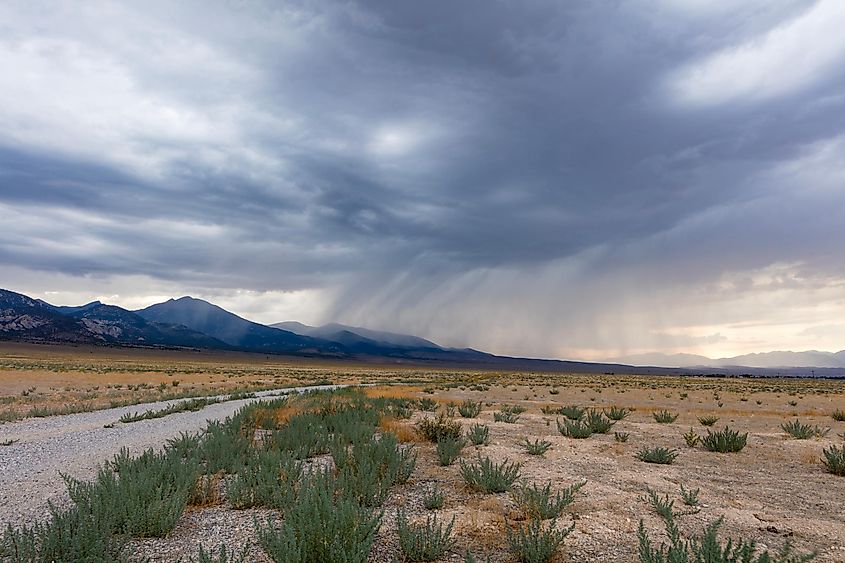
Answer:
[(415, 156)]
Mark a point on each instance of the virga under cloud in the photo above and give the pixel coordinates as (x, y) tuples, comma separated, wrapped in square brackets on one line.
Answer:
[(580, 179)]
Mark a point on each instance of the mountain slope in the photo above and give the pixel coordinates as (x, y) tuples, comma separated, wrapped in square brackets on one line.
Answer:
[(216, 322), (24, 318), (116, 324), (334, 331)]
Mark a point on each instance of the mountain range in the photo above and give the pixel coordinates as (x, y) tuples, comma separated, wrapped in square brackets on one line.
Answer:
[(193, 323), (773, 360)]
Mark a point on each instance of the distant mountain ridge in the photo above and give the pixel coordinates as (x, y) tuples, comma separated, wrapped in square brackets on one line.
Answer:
[(770, 360), (193, 323)]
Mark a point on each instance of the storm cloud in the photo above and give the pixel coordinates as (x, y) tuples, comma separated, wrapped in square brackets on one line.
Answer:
[(579, 179)]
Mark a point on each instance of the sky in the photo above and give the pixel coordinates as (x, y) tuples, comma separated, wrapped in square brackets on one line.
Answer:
[(580, 179)]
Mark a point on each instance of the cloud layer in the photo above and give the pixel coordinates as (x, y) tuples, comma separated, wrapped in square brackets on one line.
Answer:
[(571, 180)]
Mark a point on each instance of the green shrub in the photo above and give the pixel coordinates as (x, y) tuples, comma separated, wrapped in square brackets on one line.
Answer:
[(616, 413), (598, 423), (428, 405), (572, 412), (449, 449), (537, 447), (469, 409), (690, 496), (73, 535), (324, 524), (534, 543), (691, 438), (435, 429), (838, 415), (574, 429), (373, 466), (434, 498), (541, 503), (508, 417), (549, 409), (708, 420), (804, 431), (724, 441), (269, 479), (486, 476), (658, 454), (424, 542), (479, 434), (834, 460), (664, 417), (141, 497), (708, 548), (621, 437)]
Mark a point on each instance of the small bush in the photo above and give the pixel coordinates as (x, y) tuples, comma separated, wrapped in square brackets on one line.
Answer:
[(621, 437), (486, 476), (479, 434), (449, 449), (708, 548), (541, 503), (434, 498), (436, 429), (665, 417), (598, 423), (428, 405), (469, 409), (838, 415), (690, 496), (574, 429), (834, 460), (534, 543), (724, 441), (691, 438), (660, 455), (508, 417), (424, 542), (324, 524), (616, 413), (803, 431), (537, 447), (708, 420), (572, 412)]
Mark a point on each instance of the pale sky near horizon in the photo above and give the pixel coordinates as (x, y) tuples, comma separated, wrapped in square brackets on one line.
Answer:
[(577, 180)]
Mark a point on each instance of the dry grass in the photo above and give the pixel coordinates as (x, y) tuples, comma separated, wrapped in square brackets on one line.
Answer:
[(404, 431)]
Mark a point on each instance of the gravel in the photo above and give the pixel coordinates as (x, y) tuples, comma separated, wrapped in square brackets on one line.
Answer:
[(76, 444)]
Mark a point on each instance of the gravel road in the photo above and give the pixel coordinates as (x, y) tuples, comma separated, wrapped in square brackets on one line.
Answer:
[(76, 444)]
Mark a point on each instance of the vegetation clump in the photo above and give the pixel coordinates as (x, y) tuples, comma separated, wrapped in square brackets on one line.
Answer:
[(536, 543), (470, 409), (449, 449), (834, 460), (617, 413), (434, 498), (537, 447), (665, 417), (488, 477), (574, 429), (541, 502), (724, 440), (661, 455), (436, 429), (424, 542), (598, 423), (479, 434), (708, 420), (803, 431), (572, 412)]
